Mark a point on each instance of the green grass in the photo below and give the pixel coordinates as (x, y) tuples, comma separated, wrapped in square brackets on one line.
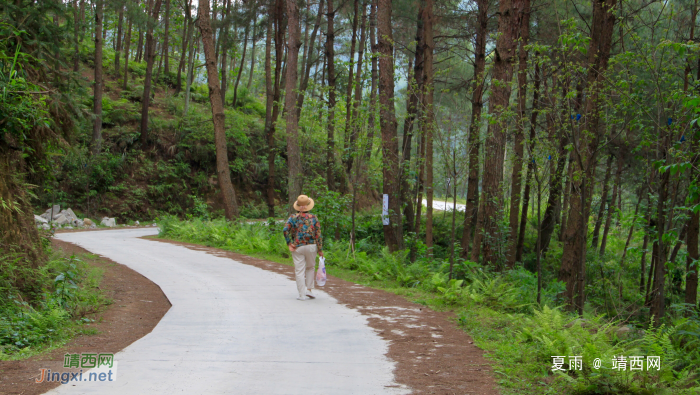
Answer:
[(63, 295), (497, 309)]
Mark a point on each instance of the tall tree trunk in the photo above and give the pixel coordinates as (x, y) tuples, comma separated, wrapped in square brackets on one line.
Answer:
[(354, 126), (608, 216), (166, 40), (603, 202), (118, 50), (240, 66), (83, 25), (194, 48), (307, 62), (139, 49), (555, 185), (97, 88), (387, 122), (371, 123), (269, 104), (645, 245), (187, 39), (518, 145), (567, 195), (150, 58), (330, 60), (252, 50), (693, 258), (415, 88), (631, 232), (572, 270), (126, 55), (530, 165), (290, 98), (76, 34), (428, 127), (508, 28), (474, 140), (348, 94), (658, 302), (217, 110), (223, 32)]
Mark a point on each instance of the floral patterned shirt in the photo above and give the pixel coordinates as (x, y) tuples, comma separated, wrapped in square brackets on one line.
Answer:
[(303, 229)]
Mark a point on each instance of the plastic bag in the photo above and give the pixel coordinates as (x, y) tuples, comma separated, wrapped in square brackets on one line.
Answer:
[(321, 273)]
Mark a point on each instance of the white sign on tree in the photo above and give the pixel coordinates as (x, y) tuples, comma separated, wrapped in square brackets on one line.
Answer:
[(385, 210)]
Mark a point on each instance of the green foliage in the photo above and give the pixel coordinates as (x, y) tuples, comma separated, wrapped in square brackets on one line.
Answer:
[(69, 291)]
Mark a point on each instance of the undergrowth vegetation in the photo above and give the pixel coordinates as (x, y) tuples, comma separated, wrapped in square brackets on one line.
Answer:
[(64, 294), (499, 309)]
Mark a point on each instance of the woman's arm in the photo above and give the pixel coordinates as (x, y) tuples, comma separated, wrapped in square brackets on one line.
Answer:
[(287, 237)]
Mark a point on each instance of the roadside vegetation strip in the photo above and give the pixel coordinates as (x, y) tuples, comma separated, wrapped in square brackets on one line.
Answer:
[(111, 307), (42, 308), (499, 311)]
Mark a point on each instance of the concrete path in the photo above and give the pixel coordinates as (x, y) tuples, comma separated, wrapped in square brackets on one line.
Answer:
[(445, 206), (235, 329)]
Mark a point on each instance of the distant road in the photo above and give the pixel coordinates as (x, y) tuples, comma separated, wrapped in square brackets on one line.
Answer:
[(444, 206)]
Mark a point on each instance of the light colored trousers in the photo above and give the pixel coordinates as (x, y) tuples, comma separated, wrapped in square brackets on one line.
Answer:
[(304, 263)]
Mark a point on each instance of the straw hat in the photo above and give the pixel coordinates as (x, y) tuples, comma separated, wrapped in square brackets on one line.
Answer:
[(302, 201)]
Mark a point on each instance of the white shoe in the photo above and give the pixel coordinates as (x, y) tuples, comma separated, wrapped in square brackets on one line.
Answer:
[(310, 294), (302, 298)]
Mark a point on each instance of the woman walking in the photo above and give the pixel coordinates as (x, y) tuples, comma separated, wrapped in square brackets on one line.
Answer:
[(303, 234)]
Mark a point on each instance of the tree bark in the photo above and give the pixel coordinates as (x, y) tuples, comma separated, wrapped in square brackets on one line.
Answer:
[(428, 127), (240, 66), (126, 54), (97, 88), (693, 258), (567, 194), (508, 28), (355, 127), (252, 50), (373, 91), (658, 303), (519, 139), (194, 48), (76, 30), (555, 185), (330, 60), (603, 203), (572, 270), (139, 49), (217, 110), (269, 104), (348, 94), (223, 32), (474, 140), (290, 97), (187, 39), (308, 61), (166, 40), (617, 189), (530, 165), (415, 88), (150, 58), (118, 49), (387, 124)]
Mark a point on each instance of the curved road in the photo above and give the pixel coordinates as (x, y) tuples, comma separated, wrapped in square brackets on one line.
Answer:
[(235, 329)]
